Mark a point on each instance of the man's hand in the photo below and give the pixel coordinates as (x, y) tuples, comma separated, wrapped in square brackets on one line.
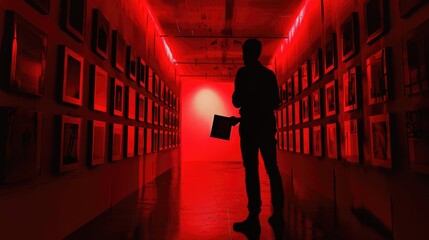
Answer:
[(234, 120)]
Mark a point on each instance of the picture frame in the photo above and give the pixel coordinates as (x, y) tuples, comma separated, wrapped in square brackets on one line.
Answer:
[(379, 76), (376, 18), (380, 131), (43, 6), (351, 83), (351, 136), (156, 85), (73, 18), (316, 104), (131, 66), (350, 37), (162, 91), (97, 138), (161, 140), (297, 82), (418, 139), (130, 141), (155, 141), (331, 60), (99, 88), (305, 75), (69, 156), (331, 98), (283, 93), (298, 140), (140, 141), (161, 116), (415, 47), (291, 141), (141, 113), (407, 8), (306, 141), (317, 141), (284, 145), (155, 113), (167, 96), (150, 80), (305, 109), (332, 143), (72, 77), (116, 142), (118, 100), (20, 144), (149, 112), (119, 51), (100, 34), (131, 103), (149, 140), (283, 117), (142, 72), (297, 114), (24, 56), (316, 65), (290, 93), (166, 119), (290, 115), (279, 118)]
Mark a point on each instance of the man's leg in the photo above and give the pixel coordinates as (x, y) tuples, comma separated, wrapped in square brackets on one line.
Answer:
[(249, 152)]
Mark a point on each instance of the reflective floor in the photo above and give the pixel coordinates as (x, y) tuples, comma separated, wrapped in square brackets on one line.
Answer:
[(203, 199)]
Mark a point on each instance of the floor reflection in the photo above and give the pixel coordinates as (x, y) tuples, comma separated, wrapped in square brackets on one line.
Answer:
[(204, 199)]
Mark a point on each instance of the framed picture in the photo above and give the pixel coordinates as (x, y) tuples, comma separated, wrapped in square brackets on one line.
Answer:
[(99, 80), (377, 68), (155, 113), (24, 56), (149, 112), (306, 141), (131, 67), (117, 142), (316, 65), (350, 37), (283, 93), (317, 137), (118, 97), (20, 144), (150, 80), (70, 143), (351, 137), (100, 34), (297, 82), (305, 109), (43, 6), (351, 83), (167, 97), (376, 19), (291, 141), (408, 7), (162, 91), (142, 72), (119, 51), (418, 139), (131, 103), (97, 138), (331, 54), (284, 138), (130, 141), (149, 140), (166, 120), (332, 141), (161, 116), (316, 103), (416, 63), (283, 118), (156, 85), (305, 75), (155, 141), (279, 118), (297, 114), (279, 140), (141, 108), (161, 140), (298, 140), (140, 141), (290, 88), (380, 140), (73, 18), (72, 77), (331, 98), (290, 115)]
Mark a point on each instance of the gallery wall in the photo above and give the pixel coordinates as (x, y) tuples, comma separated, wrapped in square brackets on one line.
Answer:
[(357, 132), (88, 116)]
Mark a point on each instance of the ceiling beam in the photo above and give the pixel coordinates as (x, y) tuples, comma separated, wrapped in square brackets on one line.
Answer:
[(223, 36)]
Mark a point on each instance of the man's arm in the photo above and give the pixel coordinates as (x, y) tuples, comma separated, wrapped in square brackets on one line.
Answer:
[(237, 95)]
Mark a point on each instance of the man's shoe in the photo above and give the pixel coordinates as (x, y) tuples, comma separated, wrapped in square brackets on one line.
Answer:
[(276, 220), (250, 224)]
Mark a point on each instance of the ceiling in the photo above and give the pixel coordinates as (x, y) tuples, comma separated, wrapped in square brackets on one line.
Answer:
[(206, 35)]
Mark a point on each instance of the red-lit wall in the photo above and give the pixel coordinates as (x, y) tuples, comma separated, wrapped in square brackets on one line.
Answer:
[(201, 100)]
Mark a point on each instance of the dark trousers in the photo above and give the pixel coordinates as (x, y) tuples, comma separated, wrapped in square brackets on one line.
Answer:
[(252, 140)]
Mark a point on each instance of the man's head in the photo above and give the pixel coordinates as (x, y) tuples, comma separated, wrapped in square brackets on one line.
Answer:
[(251, 51)]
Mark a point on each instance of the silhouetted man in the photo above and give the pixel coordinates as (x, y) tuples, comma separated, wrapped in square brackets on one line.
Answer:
[(256, 94)]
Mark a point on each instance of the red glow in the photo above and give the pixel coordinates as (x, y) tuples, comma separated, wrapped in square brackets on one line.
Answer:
[(201, 100)]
